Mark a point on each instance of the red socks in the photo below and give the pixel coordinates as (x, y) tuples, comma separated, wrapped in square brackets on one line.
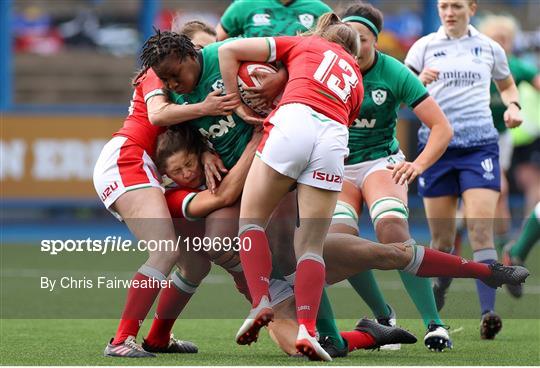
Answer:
[(435, 263), (172, 301), (138, 303), (256, 262), (310, 276), (358, 340)]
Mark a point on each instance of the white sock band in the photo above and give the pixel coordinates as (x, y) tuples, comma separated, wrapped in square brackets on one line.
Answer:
[(249, 227), (312, 256), (183, 284), (151, 272)]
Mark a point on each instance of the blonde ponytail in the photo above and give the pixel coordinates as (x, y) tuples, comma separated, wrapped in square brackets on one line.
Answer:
[(331, 28)]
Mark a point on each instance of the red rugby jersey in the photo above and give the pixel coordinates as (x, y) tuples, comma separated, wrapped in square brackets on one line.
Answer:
[(178, 199), (322, 75), (137, 127)]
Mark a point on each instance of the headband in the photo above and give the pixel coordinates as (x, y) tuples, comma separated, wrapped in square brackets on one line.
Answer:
[(364, 21)]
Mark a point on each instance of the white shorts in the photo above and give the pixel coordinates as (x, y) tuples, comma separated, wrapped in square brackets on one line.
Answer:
[(123, 166), (306, 146), (357, 173), (506, 149), (280, 291)]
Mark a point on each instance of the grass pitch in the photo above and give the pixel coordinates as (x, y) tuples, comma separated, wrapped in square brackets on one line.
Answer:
[(72, 326)]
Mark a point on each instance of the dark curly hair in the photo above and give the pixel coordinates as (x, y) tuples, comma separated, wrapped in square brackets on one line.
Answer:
[(162, 45)]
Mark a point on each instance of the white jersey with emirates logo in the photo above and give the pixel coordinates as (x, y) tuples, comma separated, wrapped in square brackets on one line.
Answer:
[(466, 67)]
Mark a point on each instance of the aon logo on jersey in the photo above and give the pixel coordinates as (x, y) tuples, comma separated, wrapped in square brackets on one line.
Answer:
[(364, 123), (219, 129)]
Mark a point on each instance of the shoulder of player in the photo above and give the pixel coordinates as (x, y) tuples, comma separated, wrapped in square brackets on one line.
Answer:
[(316, 6), (492, 45), (390, 63), (148, 76)]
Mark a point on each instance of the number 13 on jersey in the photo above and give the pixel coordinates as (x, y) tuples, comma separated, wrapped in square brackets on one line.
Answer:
[(340, 86)]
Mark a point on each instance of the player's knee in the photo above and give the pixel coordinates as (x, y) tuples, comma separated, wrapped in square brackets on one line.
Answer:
[(194, 275), (228, 260), (392, 230), (345, 215), (163, 261)]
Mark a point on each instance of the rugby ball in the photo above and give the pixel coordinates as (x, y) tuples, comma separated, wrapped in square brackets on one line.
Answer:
[(245, 78)]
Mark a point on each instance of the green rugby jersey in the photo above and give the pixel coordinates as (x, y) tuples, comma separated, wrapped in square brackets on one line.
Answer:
[(387, 84), (263, 18), (229, 134), (522, 72)]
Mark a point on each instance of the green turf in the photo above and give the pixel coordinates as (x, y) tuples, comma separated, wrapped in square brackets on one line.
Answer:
[(84, 319), (81, 342)]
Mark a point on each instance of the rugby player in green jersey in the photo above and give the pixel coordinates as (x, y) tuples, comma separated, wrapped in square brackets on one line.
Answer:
[(193, 75), (262, 18), (376, 169)]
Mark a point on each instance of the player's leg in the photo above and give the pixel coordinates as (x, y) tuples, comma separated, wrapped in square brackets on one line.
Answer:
[(262, 182), (315, 210), (284, 327), (280, 232), (440, 213), (346, 255), (502, 212), (345, 221), (439, 187), (502, 215), (480, 211), (480, 185), (193, 267), (146, 214), (517, 253), (126, 180), (223, 224), (527, 239), (387, 202)]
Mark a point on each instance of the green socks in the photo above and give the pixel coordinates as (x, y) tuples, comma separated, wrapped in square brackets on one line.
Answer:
[(366, 286), (418, 288), (528, 237), (421, 293), (326, 324)]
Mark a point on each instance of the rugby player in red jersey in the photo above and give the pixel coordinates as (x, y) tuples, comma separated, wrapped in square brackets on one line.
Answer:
[(305, 144), (127, 181)]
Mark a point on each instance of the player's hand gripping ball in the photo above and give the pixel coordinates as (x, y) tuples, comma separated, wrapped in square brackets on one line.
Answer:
[(246, 79)]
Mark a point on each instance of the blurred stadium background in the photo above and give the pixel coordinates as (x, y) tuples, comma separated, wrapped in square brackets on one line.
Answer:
[(65, 71)]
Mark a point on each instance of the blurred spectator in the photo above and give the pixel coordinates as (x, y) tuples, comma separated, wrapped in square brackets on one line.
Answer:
[(33, 32), (81, 31)]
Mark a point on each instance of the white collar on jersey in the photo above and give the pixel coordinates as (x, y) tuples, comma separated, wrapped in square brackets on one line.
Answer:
[(441, 34)]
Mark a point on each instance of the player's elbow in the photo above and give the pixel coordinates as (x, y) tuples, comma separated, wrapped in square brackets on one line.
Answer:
[(449, 133), (229, 198), (156, 119)]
